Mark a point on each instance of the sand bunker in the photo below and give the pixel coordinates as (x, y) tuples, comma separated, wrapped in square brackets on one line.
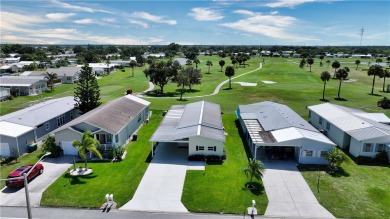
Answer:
[(246, 84), (269, 82)]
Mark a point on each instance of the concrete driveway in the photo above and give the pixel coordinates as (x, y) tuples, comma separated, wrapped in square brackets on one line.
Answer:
[(53, 168), (162, 185), (288, 193)]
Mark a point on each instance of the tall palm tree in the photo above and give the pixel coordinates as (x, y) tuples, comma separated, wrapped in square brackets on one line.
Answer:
[(386, 74), (50, 79), (310, 61), (335, 65), (209, 63), (221, 63), (357, 63), (328, 62), (321, 58), (341, 74), (375, 70), (132, 65), (88, 143), (229, 72), (255, 168), (196, 61), (325, 76), (234, 62)]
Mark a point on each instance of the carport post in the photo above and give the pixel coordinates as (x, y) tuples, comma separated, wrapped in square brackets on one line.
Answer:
[(152, 150)]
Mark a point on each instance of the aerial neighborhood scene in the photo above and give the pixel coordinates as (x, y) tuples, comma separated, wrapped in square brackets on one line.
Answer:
[(195, 109)]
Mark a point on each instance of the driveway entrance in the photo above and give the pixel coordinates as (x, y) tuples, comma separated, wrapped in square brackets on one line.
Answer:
[(161, 187), (53, 168), (288, 193)]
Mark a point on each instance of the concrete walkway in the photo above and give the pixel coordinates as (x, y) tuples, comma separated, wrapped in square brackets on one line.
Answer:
[(288, 193), (162, 185), (53, 168)]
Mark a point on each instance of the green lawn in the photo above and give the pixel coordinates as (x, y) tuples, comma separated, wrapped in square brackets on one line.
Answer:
[(223, 184), (119, 178), (221, 187), (360, 192)]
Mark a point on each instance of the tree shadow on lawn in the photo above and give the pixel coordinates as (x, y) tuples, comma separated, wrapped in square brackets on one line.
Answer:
[(157, 93), (339, 172), (258, 188), (227, 88), (240, 132), (340, 99), (187, 91), (376, 95), (77, 180), (324, 100)]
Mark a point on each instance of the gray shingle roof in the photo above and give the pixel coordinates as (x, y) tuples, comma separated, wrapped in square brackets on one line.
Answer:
[(64, 71), (112, 116), (194, 119), (39, 113), (20, 80)]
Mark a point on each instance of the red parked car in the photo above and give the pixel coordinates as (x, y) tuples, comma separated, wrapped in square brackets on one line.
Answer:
[(38, 170)]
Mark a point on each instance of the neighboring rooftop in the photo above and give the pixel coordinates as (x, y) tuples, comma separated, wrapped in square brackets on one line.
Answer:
[(12, 129), (64, 71), (22, 81), (39, 113), (194, 119), (357, 123), (112, 116)]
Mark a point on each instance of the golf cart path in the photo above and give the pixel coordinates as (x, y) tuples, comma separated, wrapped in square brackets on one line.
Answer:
[(216, 90)]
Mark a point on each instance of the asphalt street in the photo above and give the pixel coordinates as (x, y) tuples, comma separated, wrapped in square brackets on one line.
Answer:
[(72, 213)]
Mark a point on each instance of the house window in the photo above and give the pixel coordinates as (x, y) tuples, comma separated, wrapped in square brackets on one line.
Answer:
[(323, 153), (47, 126), (380, 147), (211, 148), (309, 153), (68, 78), (139, 118), (108, 138), (116, 138), (26, 141), (320, 121), (367, 147), (60, 120), (199, 148), (71, 115), (327, 125)]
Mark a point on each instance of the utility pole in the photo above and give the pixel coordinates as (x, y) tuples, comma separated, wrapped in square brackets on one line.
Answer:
[(361, 36)]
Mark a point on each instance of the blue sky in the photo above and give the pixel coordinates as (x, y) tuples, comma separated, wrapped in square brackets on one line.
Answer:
[(196, 22)]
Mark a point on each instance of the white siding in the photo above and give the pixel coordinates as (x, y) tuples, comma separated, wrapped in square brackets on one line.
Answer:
[(316, 147), (355, 147), (205, 142), (64, 137)]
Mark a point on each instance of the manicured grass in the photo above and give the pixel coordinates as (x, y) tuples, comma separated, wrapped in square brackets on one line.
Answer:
[(359, 192), (121, 178), (221, 187), (26, 159)]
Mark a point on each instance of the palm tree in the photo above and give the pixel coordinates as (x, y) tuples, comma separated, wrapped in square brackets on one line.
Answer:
[(189, 62), (388, 59), (325, 76), (375, 70), (321, 58), (132, 65), (341, 74), (88, 143), (335, 65), (209, 63), (234, 62), (328, 62), (196, 61), (310, 61), (386, 74), (221, 63), (378, 60), (50, 79), (255, 168), (357, 63), (229, 72), (302, 63)]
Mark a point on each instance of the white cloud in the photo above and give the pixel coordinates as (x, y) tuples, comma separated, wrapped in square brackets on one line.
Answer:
[(76, 7), (139, 23), (153, 18), (111, 20), (26, 40), (274, 26), (205, 14), (85, 21), (292, 3), (59, 16), (274, 12)]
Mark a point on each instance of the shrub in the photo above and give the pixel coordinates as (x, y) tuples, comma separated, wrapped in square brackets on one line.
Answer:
[(196, 157), (49, 145), (118, 152), (382, 158), (361, 160), (384, 103), (129, 91)]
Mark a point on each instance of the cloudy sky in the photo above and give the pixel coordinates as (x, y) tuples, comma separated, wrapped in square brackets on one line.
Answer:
[(222, 22)]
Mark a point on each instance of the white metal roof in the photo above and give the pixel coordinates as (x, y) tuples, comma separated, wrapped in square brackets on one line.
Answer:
[(12, 129), (286, 134), (338, 117), (378, 117), (138, 100)]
